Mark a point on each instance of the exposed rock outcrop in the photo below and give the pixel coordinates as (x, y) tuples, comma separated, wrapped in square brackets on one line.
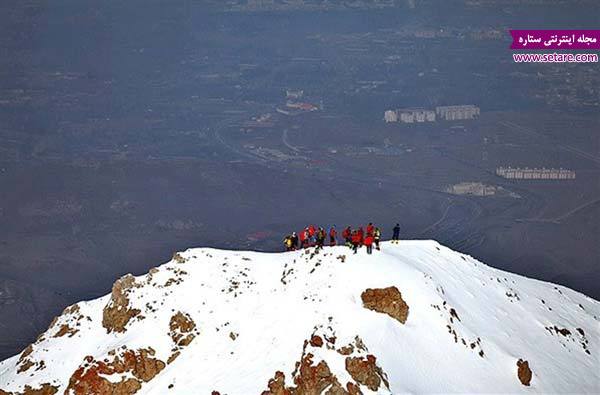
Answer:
[(26, 352), (117, 313), (45, 389), (26, 361), (353, 389), (346, 350), (65, 329), (181, 327), (314, 379), (316, 341), (310, 379), (182, 330), (366, 372), (386, 300), (177, 257), (25, 365), (277, 385), (524, 372), (91, 377), (69, 320)]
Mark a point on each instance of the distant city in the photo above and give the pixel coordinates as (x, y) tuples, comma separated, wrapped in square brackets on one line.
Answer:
[(130, 130), (447, 113)]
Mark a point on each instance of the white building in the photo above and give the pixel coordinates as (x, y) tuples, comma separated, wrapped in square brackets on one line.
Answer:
[(535, 174), (294, 94), (452, 113), (415, 115), (390, 116)]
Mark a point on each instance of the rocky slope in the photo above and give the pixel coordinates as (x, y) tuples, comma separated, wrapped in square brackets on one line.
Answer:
[(415, 317)]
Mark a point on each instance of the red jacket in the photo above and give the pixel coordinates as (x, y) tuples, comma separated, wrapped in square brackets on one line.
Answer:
[(311, 231), (332, 232), (369, 240), (302, 236), (370, 229), (346, 233), (356, 238)]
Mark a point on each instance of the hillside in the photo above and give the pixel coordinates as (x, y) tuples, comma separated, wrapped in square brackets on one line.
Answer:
[(414, 317)]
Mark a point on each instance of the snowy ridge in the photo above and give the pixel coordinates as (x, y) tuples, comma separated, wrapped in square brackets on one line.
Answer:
[(228, 321)]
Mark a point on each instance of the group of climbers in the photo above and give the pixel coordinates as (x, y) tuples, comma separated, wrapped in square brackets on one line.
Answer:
[(358, 237), (313, 236), (310, 236)]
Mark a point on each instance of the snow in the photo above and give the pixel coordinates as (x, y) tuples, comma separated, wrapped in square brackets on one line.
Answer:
[(272, 315)]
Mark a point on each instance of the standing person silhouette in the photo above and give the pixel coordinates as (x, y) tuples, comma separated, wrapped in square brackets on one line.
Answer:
[(396, 234)]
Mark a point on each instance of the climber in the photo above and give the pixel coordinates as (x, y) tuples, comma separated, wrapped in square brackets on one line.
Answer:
[(311, 235), (356, 241), (347, 236), (332, 236), (370, 229), (369, 243), (377, 237), (396, 234), (294, 240), (361, 236), (304, 238), (287, 241), (320, 237)]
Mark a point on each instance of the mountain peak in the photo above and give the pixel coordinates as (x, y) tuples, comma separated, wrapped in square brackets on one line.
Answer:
[(413, 317)]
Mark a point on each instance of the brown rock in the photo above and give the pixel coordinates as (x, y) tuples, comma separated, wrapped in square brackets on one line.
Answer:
[(313, 379), (181, 327), (360, 345), (73, 309), (316, 341), (346, 350), (65, 329), (277, 385), (178, 258), (26, 352), (353, 389), (386, 300), (336, 389), (117, 312), (41, 365), (310, 379), (25, 365), (524, 372), (173, 357), (90, 378), (366, 372), (45, 389)]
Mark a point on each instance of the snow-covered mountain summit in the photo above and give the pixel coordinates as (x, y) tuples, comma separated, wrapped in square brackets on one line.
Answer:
[(414, 317)]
